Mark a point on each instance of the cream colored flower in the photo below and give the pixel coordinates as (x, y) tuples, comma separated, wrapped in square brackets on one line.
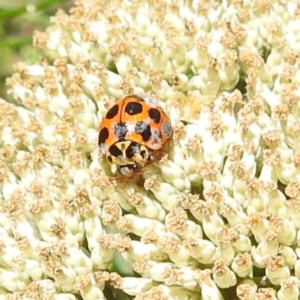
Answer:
[(218, 217)]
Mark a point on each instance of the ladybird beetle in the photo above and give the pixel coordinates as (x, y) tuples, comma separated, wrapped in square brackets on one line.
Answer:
[(132, 134)]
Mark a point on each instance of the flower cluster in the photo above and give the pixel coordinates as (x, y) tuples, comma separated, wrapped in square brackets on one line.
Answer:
[(218, 217)]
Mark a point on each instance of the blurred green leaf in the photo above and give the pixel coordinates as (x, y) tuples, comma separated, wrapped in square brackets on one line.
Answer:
[(9, 13), (18, 20)]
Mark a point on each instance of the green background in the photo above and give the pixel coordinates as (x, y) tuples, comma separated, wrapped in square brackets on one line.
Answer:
[(18, 21)]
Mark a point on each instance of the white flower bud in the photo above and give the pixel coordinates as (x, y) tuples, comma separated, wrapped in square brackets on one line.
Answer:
[(297, 268), (13, 281), (177, 221), (289, 256), (267, 247), (146, 206), (201, 250), (242, 265), (223, 276), (174, 175), (276, 271), (89, 287), (209, 289), (289, 289), (138, 226), (246, 290), (164, 192), (131, 285)]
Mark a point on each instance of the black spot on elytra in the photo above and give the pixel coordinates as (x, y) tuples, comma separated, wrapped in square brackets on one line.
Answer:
[(120, 130), (144, 130), (112, 112), (103, 135), (132, 150), (115, 151), (154, 115), (133, 108)]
